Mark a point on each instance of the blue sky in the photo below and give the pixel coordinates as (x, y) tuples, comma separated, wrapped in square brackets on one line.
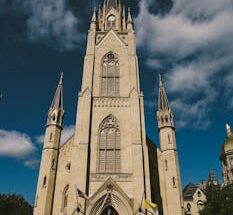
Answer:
[(189, 42)]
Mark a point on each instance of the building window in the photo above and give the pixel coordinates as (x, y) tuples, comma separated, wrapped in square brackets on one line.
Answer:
[(50, 137), (169, 138), (199, 194), (109, 153), (44, 181), (65, 198), (53, 165), (111, 22), (110, 75), (174, 182), (68, 167)]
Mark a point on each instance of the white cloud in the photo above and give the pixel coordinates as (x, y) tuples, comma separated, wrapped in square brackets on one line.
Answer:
[(67, 132), (53, 20), (15, 144), (193, 43)]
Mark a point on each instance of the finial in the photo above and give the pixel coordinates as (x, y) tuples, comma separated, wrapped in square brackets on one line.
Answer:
[(123, 13), (99, 11), (129, 15), (61, 78), (94, 15), (160, 80), (228, 128)]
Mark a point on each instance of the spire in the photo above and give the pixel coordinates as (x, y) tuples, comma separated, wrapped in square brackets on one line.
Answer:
[(130, 20), (99, 12), (228, 129), (163, 104), (57, 102), (123, 12), (93, 21), (112, 3), (94, 16), (212, 180)]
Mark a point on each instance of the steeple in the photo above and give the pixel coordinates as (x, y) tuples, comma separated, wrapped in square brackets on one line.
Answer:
[(164, 114), (49, 159), (212, 180), (56, 110), (57, 102), (163, 104), (168, 147)]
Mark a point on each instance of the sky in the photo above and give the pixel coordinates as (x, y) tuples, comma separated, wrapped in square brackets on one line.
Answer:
[(188, 42)]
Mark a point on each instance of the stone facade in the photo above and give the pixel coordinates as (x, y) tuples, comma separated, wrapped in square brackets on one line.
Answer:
[(194, 199), (109, 156)]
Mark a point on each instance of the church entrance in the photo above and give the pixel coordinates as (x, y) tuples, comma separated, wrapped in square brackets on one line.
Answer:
[(109, 211)]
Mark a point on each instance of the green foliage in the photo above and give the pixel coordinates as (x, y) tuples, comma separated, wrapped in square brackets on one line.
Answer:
[(14, 205), (219, 201)]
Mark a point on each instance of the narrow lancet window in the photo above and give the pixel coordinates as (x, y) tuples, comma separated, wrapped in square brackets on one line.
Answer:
[(65, 198), (110, 76)]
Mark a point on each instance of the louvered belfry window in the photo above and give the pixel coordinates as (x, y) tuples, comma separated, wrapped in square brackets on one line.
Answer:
[(110, 77), (109, 157)]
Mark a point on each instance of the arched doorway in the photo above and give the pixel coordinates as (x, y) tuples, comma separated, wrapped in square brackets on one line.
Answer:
[(109, 210)]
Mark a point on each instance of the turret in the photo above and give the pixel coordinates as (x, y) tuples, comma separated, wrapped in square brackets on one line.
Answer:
[(49, 159), (173, 200)]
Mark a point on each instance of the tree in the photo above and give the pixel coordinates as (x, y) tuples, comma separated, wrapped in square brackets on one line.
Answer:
[(14, 205), (219, 201)]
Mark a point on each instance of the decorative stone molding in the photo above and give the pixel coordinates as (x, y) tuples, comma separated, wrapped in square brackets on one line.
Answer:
[(120, 177), (100, 102)]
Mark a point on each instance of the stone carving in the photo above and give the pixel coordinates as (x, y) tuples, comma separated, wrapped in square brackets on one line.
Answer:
[(120, 177), (111, 102)]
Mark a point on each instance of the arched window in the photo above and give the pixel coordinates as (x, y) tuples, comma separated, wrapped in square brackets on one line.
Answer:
[(110, 75), (65, 198), (111, 22), (109, 154)]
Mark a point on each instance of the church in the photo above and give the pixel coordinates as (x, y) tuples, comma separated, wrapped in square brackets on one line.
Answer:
[(109, 165)]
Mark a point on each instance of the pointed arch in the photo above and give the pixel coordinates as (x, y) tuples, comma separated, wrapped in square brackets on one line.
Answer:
[(65, 197), (109, 146), (110, 75)]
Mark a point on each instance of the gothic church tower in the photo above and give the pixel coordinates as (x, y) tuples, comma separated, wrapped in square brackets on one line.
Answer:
[(48, 166), (170, 181), (109, 157)]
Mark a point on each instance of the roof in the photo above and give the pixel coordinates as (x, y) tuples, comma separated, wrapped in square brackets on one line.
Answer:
[(163, 104), (189, 191)]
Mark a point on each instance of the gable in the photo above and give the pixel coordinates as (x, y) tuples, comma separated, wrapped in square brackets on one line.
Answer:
[(113, 38)]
